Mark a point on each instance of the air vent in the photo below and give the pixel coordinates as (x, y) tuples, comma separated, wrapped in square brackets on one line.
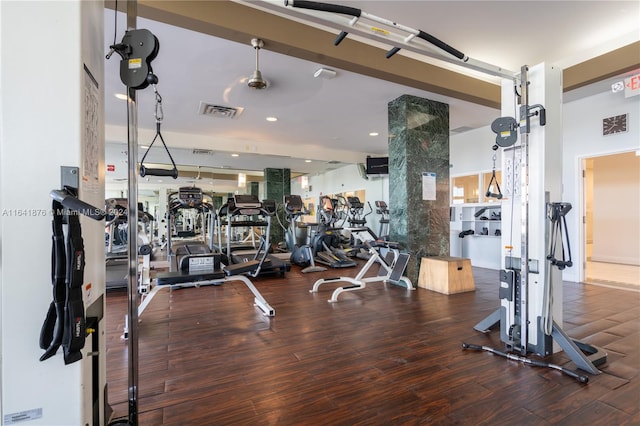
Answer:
[(461, 129), (203, 152), (219, 110)]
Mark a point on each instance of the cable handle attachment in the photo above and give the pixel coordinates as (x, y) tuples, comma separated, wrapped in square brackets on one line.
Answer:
[(493, 180), (159, 116)]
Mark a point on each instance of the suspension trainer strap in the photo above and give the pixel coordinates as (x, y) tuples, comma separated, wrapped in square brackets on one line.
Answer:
[(65, 322), (74, 317), (52, 330)]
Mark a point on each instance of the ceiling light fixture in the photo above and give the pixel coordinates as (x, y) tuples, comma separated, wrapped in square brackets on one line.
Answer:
[(256, 81), (307, 161), (235, 155), (374, 134), (272, 119)]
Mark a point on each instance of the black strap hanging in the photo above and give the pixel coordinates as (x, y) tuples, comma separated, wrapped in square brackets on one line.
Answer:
[(65, 322), (557, 215), (493, 180), (144, 171)]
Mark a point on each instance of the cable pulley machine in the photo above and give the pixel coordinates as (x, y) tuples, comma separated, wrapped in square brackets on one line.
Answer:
[(137, 49), (525, 315), (526, 318)]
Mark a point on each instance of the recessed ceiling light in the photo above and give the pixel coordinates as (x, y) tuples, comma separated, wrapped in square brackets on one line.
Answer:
[(307, 161), (235, 155), (374, 134), (121, 96), (272, 118)]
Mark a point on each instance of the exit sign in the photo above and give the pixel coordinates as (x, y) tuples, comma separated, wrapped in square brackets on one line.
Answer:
[(632, 86), (111, 167)]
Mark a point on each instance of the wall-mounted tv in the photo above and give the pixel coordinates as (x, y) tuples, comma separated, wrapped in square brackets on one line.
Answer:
[(377, 165)]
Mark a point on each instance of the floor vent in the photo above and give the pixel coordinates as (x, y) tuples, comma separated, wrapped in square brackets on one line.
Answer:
[(219, 110)]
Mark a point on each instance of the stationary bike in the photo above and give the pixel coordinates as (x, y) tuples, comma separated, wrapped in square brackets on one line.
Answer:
[(301, 253)]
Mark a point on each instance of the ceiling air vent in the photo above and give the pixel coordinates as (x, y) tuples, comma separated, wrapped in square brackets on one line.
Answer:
[(461, 129), (198, 151), (219, 110)]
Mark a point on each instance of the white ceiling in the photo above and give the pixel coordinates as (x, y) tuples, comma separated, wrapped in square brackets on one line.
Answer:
[(329, 121)]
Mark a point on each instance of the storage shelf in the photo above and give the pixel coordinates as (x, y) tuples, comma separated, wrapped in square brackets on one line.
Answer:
[(484, 246)]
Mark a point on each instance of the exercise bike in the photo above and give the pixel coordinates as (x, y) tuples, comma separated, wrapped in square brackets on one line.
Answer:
[(301, 253)]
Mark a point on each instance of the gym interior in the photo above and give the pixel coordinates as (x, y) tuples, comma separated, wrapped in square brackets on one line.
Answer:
[(341, 218)]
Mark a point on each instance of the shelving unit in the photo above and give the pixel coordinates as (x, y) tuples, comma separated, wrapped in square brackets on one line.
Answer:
[(483, 246), (483, 220)]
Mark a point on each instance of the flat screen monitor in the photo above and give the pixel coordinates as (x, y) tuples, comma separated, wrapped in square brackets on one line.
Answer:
[(377, 165)]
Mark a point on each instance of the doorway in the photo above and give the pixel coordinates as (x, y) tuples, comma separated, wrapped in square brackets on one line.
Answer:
[(612, 220)]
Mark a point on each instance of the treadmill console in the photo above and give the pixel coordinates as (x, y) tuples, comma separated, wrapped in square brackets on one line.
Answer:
[(246, 201), (293, 203), (190, 197)]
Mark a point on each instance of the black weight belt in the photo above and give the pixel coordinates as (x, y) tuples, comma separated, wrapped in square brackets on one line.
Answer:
[(65, 323)]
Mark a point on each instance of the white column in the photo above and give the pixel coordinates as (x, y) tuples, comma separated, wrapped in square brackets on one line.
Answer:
[(51, 115)]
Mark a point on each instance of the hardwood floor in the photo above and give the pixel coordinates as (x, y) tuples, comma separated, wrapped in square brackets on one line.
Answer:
[(380, 356), (613, 275)]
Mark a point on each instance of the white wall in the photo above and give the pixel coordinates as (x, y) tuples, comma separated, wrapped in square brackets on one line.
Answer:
[(582, 138), (43, 48), (471, 152), (347, 179), (616, 209)]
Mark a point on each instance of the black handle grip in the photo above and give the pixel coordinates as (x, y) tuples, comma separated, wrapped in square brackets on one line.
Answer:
[(340, 37), (324, 7), (494, 195), (442, 45), (73, 203), (543, 116), (392, 52), (471, 346), (579, 377), (144, 171)]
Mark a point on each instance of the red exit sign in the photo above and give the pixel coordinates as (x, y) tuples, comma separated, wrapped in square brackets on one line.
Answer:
[(111, 167), (632, 86)]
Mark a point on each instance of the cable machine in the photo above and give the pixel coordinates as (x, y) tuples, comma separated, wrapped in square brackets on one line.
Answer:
[(137, 50), (527, 312), (526, 317)]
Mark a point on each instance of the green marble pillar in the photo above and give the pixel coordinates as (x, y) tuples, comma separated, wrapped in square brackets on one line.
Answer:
[(277, 184), (254, 188), (418, 143)]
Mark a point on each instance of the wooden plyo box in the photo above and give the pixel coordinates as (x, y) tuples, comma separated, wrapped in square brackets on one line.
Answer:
[(448, 275)]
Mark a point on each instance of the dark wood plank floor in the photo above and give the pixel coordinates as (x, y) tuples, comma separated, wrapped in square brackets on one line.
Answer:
[(380, 356)]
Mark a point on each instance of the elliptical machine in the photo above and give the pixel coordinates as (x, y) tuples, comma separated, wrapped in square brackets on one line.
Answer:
[(327, 240), (301, 253), (383, 210)]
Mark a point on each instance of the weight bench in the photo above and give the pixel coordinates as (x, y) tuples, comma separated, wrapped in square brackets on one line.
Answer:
[(392, 268)]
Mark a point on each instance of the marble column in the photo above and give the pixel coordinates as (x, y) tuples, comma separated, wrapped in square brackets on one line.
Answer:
[(253, 188), (419, 147), (277, 184)]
